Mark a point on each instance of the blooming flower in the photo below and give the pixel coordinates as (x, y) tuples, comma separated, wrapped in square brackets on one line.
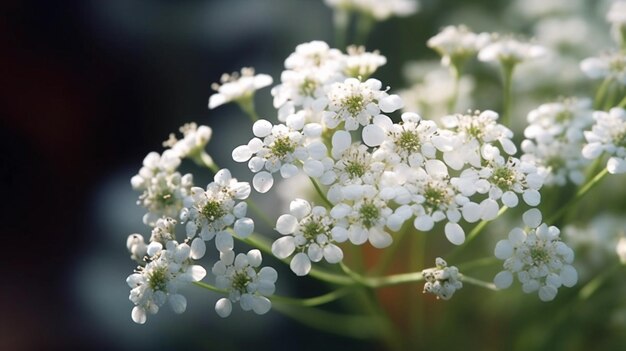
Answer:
[(442, 281), (507, 179), (193, 143), (136, 247), (360, 63), (245, 283), (456, 44), (238, 87), (510, 51), (163, 189), (212, 211), (157, 282), (309, 232), (608, 134), (609, 65), (355, 103), (539, 259)]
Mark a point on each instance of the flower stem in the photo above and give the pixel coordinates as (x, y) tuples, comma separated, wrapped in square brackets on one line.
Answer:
[(579, 195), (320, 193), (313, 301), (622, 103), (601, 92), (340, 19), (478, 282), (210, 287), (507, 86), (363, 27), (456, 74), (247, 105)]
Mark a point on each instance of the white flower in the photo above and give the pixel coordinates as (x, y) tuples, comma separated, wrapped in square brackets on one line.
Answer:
[(355, 103), (610, 65), (383, 9), (408, 141), (163, 189), (244, 281), (510, 51), (356, 166), (213, 211), (470, 135), (617, 17), (442, 281), (360, 63), (363, 215), (506, 179), (555, 138), (238, 87), (620, 249), (308, 232), (456, 44), (608, 135), (136, 247), (314, 56), (164, 230), (158, 282), (193, 143), (537, 257), (282, 148), (303, 89)]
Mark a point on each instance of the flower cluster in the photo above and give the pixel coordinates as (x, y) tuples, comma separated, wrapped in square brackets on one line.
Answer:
[(442, 281), (539, 259), (555, 138), (376, 9), (238, 87), (608, 134)]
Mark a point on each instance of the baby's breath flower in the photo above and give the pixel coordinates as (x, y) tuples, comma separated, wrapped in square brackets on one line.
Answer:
[(360, 63), (539, 259), (510, 51), (610, 65), (608, 134), (308, 232), (158, 282), (244, 281), (213, 211), (238, 87), (163, 189), (456, 44), (442, 281), (193, 143), (507, 179)]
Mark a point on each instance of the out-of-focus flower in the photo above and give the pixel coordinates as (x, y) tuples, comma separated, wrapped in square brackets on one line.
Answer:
[(608, 135), (238, 87), (442, 281)]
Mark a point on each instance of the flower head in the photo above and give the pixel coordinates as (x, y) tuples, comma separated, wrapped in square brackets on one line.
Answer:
[(442, 281), (238, 87), (610, 65), (608, 134), (456, 44)]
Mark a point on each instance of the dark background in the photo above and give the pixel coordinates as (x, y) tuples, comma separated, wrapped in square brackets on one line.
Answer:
[(89, 88)]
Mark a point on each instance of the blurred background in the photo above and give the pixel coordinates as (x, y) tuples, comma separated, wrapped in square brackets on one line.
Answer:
[(90, 87)]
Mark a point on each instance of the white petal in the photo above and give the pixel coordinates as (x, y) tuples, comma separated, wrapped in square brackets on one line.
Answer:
[(286, 224), (532, 218), (313, 168), (357, 235), (262, 182), (489, 209), (300, 264), (436, 168), (391, 103), (262, 128), (178, 303), (379, 238), (547, 293), (244, 227), (503, 250), (315, 253), (531, 197), (300, 208), (283, 247), (510, 199), (341, 141), (196, 272), (138, 315), (569, 276), (224, 242), (455, 233), (333, 253), (503, 280), (616, 165), (261, 305), (339, 234), (254, 257), (223, 307), (268, 274), (424, 223), (288, 170), (472, 212), (198, 248), (242, 153), (373, 135)]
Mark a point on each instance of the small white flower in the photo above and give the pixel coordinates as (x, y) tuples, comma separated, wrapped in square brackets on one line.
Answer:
[(608, 134), (610, 65), (360, 63), (456, 44), (308, 232), (537, 257), (507, 179), (510, 51), (238, 87), (244, 281), (164, 230), (314, 55), (136, 247), (379, 10), (167, 269), (163, 189), (355, 103), (442, 281), (212, 211), (193, 143)]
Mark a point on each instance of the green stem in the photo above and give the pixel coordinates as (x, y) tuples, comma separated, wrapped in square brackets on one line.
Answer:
[(611, 95), (622, 103), (601, 92), (395, 279), (313, 301), (210, 287), (456, 74), (320, 193), (507, 86), (478, 282), (340, 19), (579, 195), (593, 285), (205, 160), (481, 262), (247, 105), (364, 25)]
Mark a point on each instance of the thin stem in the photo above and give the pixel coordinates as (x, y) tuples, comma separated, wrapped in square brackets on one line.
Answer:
[(478, 282), (320, 192), (340, 19), (579, 195), (622, 103), (210, 287), (313, 301), (594, 284), (364, 25), (395, 279), (507, 86), (205, 160), (247, 105), (456, 74), (597, 101)]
